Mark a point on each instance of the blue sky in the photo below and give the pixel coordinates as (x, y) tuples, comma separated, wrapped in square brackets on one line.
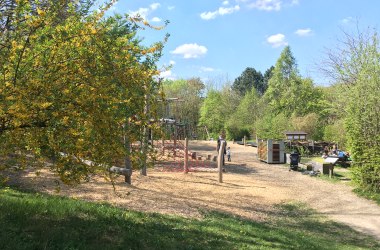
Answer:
[(217, 39)]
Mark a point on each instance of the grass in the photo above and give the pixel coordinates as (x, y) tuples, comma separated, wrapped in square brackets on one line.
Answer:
[(38, 221), (368, 194)]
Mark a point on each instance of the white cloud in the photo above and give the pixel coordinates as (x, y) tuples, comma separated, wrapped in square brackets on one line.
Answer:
[(171, 62), (346, 20), (168, 74), (225, 3), (144, 12), (295, 2), (220, 12), (171, 7), (267, 5), (154, 6), (156, 19), (207, 69), (304, 32), (190, 50), (277, 40)]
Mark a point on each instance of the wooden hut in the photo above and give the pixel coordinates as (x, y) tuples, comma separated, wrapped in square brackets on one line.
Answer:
[(296, 135)]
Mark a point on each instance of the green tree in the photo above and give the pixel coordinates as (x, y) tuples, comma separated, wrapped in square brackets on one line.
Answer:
[(190, 93), (267, 75), (250, 78), (272, 126), (288, 92), (357, 67), (241, 123), (217, 108)]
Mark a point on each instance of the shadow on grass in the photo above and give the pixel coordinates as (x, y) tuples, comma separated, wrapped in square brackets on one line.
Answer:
[(36, 221)]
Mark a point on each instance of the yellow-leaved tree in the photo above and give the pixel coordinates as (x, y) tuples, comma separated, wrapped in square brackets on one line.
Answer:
[(73, 84)]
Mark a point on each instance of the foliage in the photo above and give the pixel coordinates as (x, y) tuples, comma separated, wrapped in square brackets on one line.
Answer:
[(186, 109), (309, 124), (75, 224), (368, 194), (70, 78), (362, 123), (216, 108), (241, 123), (250, 78), (336, 133), (272, 126), (287, 92)]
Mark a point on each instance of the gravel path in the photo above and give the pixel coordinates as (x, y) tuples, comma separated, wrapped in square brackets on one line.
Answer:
[(337, 201), (250, 189)]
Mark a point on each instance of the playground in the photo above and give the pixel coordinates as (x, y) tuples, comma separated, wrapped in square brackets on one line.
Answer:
[(251, 189)]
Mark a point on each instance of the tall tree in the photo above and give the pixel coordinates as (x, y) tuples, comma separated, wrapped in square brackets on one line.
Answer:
[(217, 107), (241, 122), (267, 75), (250, 78), (288, 92)]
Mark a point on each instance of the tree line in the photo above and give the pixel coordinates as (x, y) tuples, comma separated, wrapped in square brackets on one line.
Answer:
[(266, 105)]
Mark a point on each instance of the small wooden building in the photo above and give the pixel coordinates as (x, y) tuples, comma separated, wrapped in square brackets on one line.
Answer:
[(271, 151), (296, 135)]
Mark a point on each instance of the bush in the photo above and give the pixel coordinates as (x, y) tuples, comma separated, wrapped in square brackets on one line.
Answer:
[(367, 175)]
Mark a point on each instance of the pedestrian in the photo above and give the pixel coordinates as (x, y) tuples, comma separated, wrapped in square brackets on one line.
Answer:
[(228, 154), (219, 143)]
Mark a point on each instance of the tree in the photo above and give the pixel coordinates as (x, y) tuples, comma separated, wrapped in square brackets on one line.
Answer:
[(69, 81), (267, 75), (189, 92), (250, 78), (288, 92), (272, 126), (357, 67), (241, 123), (217, 108)]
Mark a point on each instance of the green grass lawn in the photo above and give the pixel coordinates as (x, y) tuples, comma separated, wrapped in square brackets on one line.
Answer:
[(36, 221)]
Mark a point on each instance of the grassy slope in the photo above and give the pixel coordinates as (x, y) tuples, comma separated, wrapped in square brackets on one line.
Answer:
[(36, 221)]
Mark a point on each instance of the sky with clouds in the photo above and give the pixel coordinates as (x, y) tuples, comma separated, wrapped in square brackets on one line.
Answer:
[(218, 39)]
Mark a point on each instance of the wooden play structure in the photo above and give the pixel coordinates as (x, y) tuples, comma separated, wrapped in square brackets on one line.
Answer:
[(271, 151)]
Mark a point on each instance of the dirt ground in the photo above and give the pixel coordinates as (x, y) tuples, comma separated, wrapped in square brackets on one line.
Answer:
[(250, 189)]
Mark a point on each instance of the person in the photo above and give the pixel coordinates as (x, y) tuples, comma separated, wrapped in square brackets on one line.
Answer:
[(228, 154), (324, 155), (219, 143), (326, 151)]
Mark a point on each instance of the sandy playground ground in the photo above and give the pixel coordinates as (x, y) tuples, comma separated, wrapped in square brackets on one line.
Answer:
[(250, 189)]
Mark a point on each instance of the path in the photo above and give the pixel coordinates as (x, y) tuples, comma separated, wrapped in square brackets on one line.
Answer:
[(337, 201), (250, 189)]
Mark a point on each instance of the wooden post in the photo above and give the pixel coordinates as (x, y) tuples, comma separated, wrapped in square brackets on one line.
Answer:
[(331, 170), (186, 163), (163, 145), (245, 141), (127, 159), (175, 141), (145, 135), (220, 160)]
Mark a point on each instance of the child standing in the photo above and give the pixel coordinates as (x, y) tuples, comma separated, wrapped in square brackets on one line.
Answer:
[(228, 154)]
